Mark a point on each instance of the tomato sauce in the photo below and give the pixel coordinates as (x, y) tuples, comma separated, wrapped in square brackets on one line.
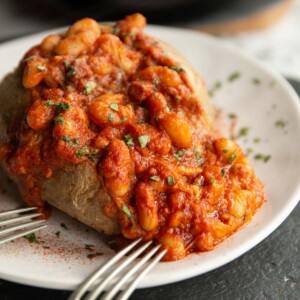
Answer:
[(112, 97)]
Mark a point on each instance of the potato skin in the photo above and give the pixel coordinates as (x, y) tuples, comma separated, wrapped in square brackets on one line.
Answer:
[(14, 99), (76, 189)]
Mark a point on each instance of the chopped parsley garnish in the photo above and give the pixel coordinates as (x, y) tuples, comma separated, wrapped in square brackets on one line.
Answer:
[(179, 154), (267, 158), (41, 68), (256, 140), (249, 151), (170, 180), (225, 150), (64, 226), (59, 120), (66, 139), (256, 81), (110, 117), (71, 70), (211, 180), (90, 154), (155, 118), (273, 83), (125, 35), (143, 140), (231, 158), (197, 153), (215, 87), (115, 30), (114, 106), (69, 141), (83, 151), (128, 139), (234, 76), (61, 106), (223, 172), (57, 233), (280, 123), (244, 131), (154, 178), (176, 99), (30, 58), (176, 68), (232, 116), (156, 82), (31, 237), (263, 157), (50, 103), (89, 86), (126, 211)]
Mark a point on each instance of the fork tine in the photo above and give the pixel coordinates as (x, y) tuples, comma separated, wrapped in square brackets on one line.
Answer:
[(82, 289), (99, 288), (20, 226), (127, 292), (16, 211), (111, 293), (19, 234), (18, 219)]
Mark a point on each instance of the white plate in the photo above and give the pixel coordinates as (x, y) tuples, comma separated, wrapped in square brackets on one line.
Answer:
[(259, 107)]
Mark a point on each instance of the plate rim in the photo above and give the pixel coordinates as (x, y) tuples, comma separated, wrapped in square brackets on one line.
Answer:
[(237, 251)]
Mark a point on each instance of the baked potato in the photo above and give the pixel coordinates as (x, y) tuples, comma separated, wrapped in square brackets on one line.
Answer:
[(115, 128)]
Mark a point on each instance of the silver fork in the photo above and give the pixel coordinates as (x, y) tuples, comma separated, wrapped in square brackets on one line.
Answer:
[(131, 276), (14, 225)]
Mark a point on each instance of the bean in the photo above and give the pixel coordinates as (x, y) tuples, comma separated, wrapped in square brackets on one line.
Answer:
[(117, 168), (174, 244), (34, 72), (146, 206), (178, 129)]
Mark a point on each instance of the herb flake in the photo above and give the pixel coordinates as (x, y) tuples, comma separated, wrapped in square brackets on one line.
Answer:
[(197, 153), (143, 140), (59, 120), (244, 131), (154, 178), (179, 154), (126, 211), (89, 86), (41, 68), (170, 180), (231, 158), (128, 139), (234, 76), (260, 156), (178, 69), (223, 172), (256, 81), (31, 237), (114, 106), (280, 123), (156, 82), (110, 117)]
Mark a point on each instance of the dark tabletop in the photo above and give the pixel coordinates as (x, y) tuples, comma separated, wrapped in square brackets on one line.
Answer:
[(271, 270)]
